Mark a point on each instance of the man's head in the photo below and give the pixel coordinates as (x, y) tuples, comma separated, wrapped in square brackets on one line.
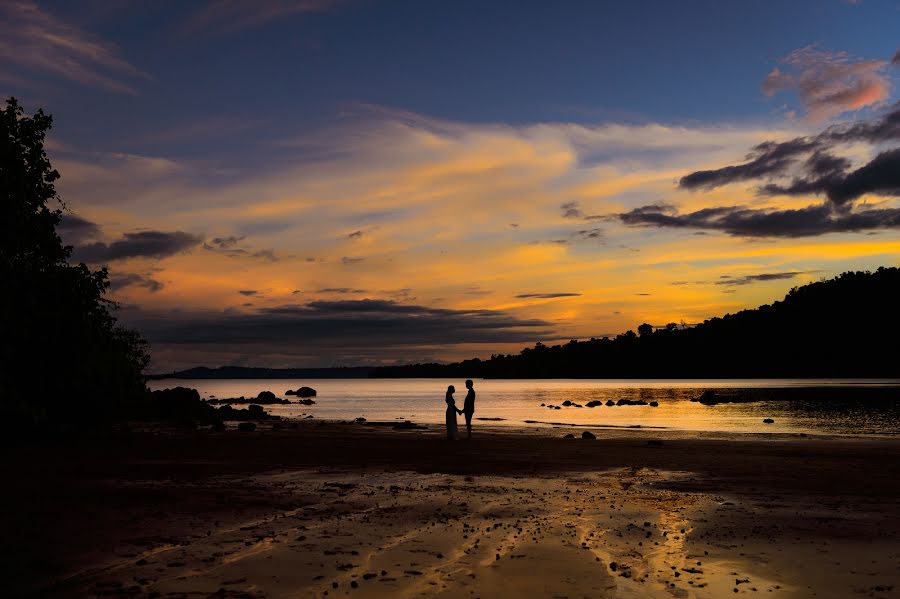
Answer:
[(469, 384)]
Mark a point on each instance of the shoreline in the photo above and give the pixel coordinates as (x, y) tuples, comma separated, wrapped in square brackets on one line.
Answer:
[(869, 410), (177, 511)]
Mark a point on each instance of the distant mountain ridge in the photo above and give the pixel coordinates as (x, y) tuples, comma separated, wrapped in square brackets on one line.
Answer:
[(847, 326), (246, 372)]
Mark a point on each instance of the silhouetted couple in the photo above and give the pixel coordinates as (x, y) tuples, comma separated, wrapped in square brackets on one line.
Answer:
[(467, 411)]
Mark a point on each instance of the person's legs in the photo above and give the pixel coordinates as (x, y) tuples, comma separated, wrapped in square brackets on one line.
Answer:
[(469, 424)]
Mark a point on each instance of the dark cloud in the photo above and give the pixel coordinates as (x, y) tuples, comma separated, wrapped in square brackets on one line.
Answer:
[(350, 261), (340, 290), (268, 255), (248, 292), (225, 243), (821, 171), (748, 279), (75, 230), (896, 59), (766, 159), (350, 325), (595, 233), (571, 210), (751, 222), (545, 295), (131, 279), (803, 166), (355, 235), (228, 246), (141, 244), (881, 175)]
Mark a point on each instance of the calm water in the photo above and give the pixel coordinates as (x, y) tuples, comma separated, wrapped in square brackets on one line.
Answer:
[(518, 401)]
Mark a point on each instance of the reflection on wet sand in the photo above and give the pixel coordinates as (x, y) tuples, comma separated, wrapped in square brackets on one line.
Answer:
[(622, 533)]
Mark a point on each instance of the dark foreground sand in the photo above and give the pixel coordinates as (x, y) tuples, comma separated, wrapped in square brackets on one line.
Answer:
[(356, 510)]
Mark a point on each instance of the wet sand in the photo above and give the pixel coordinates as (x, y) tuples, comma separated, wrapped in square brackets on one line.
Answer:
[(361, 510)]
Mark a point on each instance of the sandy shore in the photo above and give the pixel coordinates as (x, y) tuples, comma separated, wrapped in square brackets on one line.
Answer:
[(357, 510)]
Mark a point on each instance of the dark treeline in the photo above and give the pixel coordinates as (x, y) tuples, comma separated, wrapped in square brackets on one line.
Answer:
[(841, 327)]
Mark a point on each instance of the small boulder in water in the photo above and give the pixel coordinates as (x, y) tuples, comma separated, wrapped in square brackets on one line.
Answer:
[(654, 404), (708, 398), (594, 403), (588, 435), (569, 436), (768, 421), (610, 403), (267, 397)]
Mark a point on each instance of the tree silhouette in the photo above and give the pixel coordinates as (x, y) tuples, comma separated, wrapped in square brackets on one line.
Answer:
[(62, 355)]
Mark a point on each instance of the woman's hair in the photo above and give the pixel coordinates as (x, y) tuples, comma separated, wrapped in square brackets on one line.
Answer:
[(468, 382), (451, 389)]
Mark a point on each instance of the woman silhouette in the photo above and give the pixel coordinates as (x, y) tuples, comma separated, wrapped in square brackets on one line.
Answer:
[(451, 413)]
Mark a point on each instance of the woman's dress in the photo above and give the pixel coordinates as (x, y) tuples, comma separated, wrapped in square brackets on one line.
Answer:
[(451, 419)]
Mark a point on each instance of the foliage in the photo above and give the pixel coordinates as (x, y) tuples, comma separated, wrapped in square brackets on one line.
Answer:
[(61, 352), (842, 327)]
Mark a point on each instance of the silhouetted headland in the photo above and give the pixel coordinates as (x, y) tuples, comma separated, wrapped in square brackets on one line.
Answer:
[(841, 327)]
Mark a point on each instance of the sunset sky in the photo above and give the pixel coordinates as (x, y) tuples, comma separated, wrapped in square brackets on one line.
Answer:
[(355, 182)]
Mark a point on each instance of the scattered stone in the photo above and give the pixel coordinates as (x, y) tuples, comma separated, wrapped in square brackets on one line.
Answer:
[(569, 436), (654, 404), (768, 421), (594, 403), (588, 435), (631, 402), (610, 403), (302, 392)]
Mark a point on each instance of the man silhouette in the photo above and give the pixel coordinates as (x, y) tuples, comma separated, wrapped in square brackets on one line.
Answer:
[(469, 407)]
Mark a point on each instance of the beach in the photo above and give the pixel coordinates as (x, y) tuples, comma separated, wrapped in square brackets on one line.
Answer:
[(316, 508)]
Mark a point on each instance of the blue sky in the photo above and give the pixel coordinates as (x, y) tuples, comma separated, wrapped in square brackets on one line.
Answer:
[(516, 164), (471, 61)]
